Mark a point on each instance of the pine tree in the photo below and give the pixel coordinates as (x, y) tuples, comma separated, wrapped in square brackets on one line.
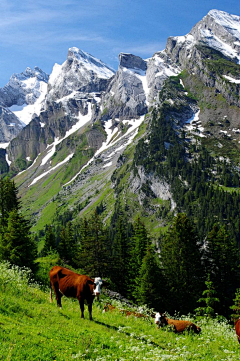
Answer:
[(222, 260), (67, 246), (50, 241), (210, 300), (17, 245), (8, 201), (181, 262), (236, 306), (94, 250), (150, 284), (138, 248), (120, 257)]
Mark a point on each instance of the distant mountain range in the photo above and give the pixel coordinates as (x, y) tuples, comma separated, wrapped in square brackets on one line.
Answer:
[(73, 136)]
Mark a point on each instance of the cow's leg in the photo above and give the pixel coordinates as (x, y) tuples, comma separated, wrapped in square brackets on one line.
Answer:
[(58, 295), (81, 303), (90, 311)]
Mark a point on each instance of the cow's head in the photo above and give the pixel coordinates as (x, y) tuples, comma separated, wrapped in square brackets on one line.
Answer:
[(160, 319), (98, 283)]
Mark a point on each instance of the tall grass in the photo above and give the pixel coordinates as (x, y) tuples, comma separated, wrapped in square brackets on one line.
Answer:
[(33, 329)]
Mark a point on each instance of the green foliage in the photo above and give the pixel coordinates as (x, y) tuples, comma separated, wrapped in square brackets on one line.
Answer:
[(21, 164), (150, 283), (67, 245), (93, 253), (236, 306), (121, 251), (8, 200), (209, 300), (43, 266), (17, 245), (181, 262), (222, 260), (50, 241), (4, 167)]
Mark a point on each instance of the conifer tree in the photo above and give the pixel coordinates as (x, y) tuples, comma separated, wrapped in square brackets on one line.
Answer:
[(17, 245), (138, 248), (210, 300), (67, 246), (181, 262), (222, 260), (8, 200), (50, 241), (120, 258), (93, 253), (150, 285), (236, 306)]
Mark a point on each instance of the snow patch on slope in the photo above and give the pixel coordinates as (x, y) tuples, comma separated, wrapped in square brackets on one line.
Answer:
[(132, 131), (82, 121), (26, 111)]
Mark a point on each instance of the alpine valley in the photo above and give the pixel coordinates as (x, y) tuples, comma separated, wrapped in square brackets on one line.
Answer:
[(157, 137)]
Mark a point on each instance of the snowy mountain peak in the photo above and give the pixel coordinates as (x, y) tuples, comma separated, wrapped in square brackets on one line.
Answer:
[(36, 73), (218, 30), (225, 19), (81, 72), (24, 88), (90, 63)]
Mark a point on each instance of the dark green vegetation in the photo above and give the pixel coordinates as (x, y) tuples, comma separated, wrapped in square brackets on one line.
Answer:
[(33, 329)]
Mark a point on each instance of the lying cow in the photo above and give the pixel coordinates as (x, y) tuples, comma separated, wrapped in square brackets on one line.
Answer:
[(177, 325), (70, 284), (237, 329)]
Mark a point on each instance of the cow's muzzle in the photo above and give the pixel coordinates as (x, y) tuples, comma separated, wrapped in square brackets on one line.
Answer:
[(97, 294)]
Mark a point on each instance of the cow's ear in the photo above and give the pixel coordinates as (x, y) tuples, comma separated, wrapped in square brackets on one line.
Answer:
[(90, 282)]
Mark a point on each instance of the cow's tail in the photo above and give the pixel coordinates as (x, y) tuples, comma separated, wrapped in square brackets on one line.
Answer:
[(51, 293)]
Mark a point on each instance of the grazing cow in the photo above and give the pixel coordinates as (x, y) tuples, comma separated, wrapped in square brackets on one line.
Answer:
[(237, 329), (70, 284), (177, 325)]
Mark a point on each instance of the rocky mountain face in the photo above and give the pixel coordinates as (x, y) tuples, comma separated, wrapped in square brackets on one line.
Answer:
[(20, 98), (95, 135)]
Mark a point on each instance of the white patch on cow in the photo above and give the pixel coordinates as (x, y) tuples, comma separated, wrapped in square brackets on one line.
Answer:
[(61, 292), (98, 284), (157, 318)]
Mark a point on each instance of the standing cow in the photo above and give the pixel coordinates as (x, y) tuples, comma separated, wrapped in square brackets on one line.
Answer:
[(70, 284)]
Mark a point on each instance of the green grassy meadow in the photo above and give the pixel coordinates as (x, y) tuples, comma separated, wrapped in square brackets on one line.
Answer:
[(32, 328)]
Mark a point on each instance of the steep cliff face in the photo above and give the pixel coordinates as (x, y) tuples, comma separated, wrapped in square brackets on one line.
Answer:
[(10, 125), (125, 97)]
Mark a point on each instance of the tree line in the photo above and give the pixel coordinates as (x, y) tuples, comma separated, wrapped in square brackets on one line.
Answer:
[(170, 273)]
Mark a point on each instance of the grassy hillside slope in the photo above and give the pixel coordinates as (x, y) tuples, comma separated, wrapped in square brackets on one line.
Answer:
[(33, 329)]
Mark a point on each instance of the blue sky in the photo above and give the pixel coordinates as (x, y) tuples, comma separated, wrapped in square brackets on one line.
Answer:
[(39, 32)]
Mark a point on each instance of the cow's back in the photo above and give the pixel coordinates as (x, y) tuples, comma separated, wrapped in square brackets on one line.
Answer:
[(237, 329), (182, 325), (71, 284)]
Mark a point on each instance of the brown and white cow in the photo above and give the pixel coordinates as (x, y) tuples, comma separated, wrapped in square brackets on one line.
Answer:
[(70, 284), (237, 329), (177, 325)]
